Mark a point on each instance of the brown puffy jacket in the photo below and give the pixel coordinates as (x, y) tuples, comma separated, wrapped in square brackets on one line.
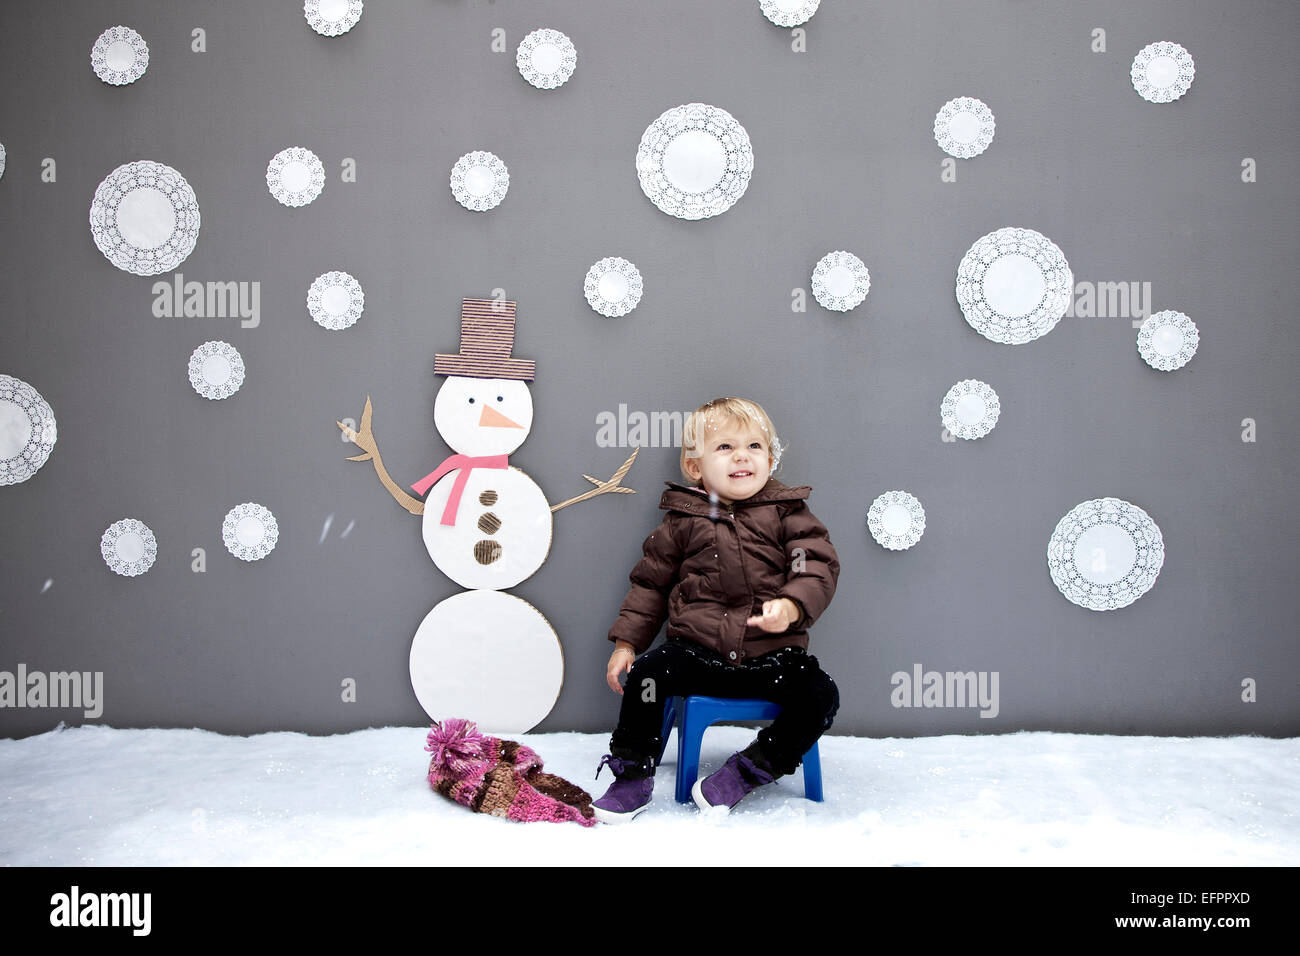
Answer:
[(707, 575)]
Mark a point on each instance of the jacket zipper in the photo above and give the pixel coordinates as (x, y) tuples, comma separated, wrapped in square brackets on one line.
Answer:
[(748, 586)]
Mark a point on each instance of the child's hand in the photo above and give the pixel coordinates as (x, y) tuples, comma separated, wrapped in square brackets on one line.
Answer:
[(778, 614), (620, 662)]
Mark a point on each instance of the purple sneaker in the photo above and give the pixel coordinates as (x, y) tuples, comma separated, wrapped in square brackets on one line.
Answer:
[(626, 796), (723, 789)]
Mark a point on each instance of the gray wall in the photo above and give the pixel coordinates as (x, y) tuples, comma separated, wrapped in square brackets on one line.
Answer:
[(844, 159)]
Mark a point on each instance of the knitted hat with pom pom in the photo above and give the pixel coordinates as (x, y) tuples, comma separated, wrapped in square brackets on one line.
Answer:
[(500, 777)]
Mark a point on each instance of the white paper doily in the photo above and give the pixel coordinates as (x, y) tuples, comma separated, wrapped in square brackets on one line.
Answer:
[(250, 531), (216, 370), (489, 657), (1105, 554), (336, 300), (1168, 340), (964, 127), (546, 58), (970, 409), (295, 176), (613, 286), (694, 161), (1014, 285), (27, 430), (840, 281), (789, 13), (896, 520), (1162, 72), (119, 56), (329, 18), (145, 218), (2, 160), (129, 547), (479, 181)]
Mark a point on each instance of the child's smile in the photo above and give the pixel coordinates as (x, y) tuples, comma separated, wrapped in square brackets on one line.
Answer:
[(734, 464)]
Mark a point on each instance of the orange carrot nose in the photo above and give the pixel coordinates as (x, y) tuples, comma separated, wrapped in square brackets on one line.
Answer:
[(494, 418)]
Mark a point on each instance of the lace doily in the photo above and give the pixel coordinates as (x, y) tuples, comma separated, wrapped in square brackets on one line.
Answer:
[(1014, 285), (1105, 554), (145, 218), (694, 161), (27, 430)]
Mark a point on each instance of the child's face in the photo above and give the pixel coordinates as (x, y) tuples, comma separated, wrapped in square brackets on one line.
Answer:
[(735, 461)]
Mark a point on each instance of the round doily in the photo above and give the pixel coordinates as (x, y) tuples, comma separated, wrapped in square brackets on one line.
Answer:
[(546, 59), (970, 409), (145, 218), (336, 300), (216, 370), (1105, 554), (479, 181), (27, 430), (1168, 340), (1014, 285), (1162, 72), (694, 161), (295, 176), (789, 13), (840, 281), (129, 547), (964, 127), (250, 531), (330, 18), (119, 56), (896, 520), (613, 286)]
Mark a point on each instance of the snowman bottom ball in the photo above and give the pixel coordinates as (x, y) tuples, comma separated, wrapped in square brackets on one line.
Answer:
[(488, 657)]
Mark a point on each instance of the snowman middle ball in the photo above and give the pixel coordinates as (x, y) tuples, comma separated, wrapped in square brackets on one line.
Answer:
[(501, 530)]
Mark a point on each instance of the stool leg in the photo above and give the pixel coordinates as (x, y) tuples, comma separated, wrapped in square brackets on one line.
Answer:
[(670, 715), (812, 775), (690, 735)]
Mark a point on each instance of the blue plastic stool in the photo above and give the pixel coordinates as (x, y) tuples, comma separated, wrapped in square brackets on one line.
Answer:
[(697, 713)]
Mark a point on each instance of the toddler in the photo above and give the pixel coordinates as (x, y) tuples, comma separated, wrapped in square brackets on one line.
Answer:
[(740, 568)]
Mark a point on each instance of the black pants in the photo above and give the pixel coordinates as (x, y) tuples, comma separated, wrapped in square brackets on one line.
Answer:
[(789, 677)]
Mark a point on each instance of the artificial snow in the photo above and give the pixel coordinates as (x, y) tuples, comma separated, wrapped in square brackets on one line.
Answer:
[(98, 796)]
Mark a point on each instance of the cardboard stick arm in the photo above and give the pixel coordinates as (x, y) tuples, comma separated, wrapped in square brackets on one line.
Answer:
[(603, 486), (365, 439)]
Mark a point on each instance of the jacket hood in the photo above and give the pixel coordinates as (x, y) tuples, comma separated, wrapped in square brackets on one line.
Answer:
[(695, 501)]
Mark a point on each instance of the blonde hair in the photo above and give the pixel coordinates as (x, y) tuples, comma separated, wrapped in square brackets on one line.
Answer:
[(713, 414)]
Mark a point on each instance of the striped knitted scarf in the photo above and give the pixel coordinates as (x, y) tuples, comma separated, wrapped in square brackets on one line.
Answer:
[(500, 777)]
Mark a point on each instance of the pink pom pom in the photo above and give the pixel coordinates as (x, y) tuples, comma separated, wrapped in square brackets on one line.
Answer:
[(457, 746)]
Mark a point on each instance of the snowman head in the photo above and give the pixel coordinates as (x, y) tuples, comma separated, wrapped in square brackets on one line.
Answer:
[(483, 416)]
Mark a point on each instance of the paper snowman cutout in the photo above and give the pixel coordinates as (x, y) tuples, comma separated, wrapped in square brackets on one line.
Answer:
[(482, 654)]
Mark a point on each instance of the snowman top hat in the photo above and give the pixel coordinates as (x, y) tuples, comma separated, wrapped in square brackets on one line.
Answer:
[(487, 337)]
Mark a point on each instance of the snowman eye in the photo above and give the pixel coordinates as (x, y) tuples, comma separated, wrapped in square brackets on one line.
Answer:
[(471, 401), (499, 398)]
